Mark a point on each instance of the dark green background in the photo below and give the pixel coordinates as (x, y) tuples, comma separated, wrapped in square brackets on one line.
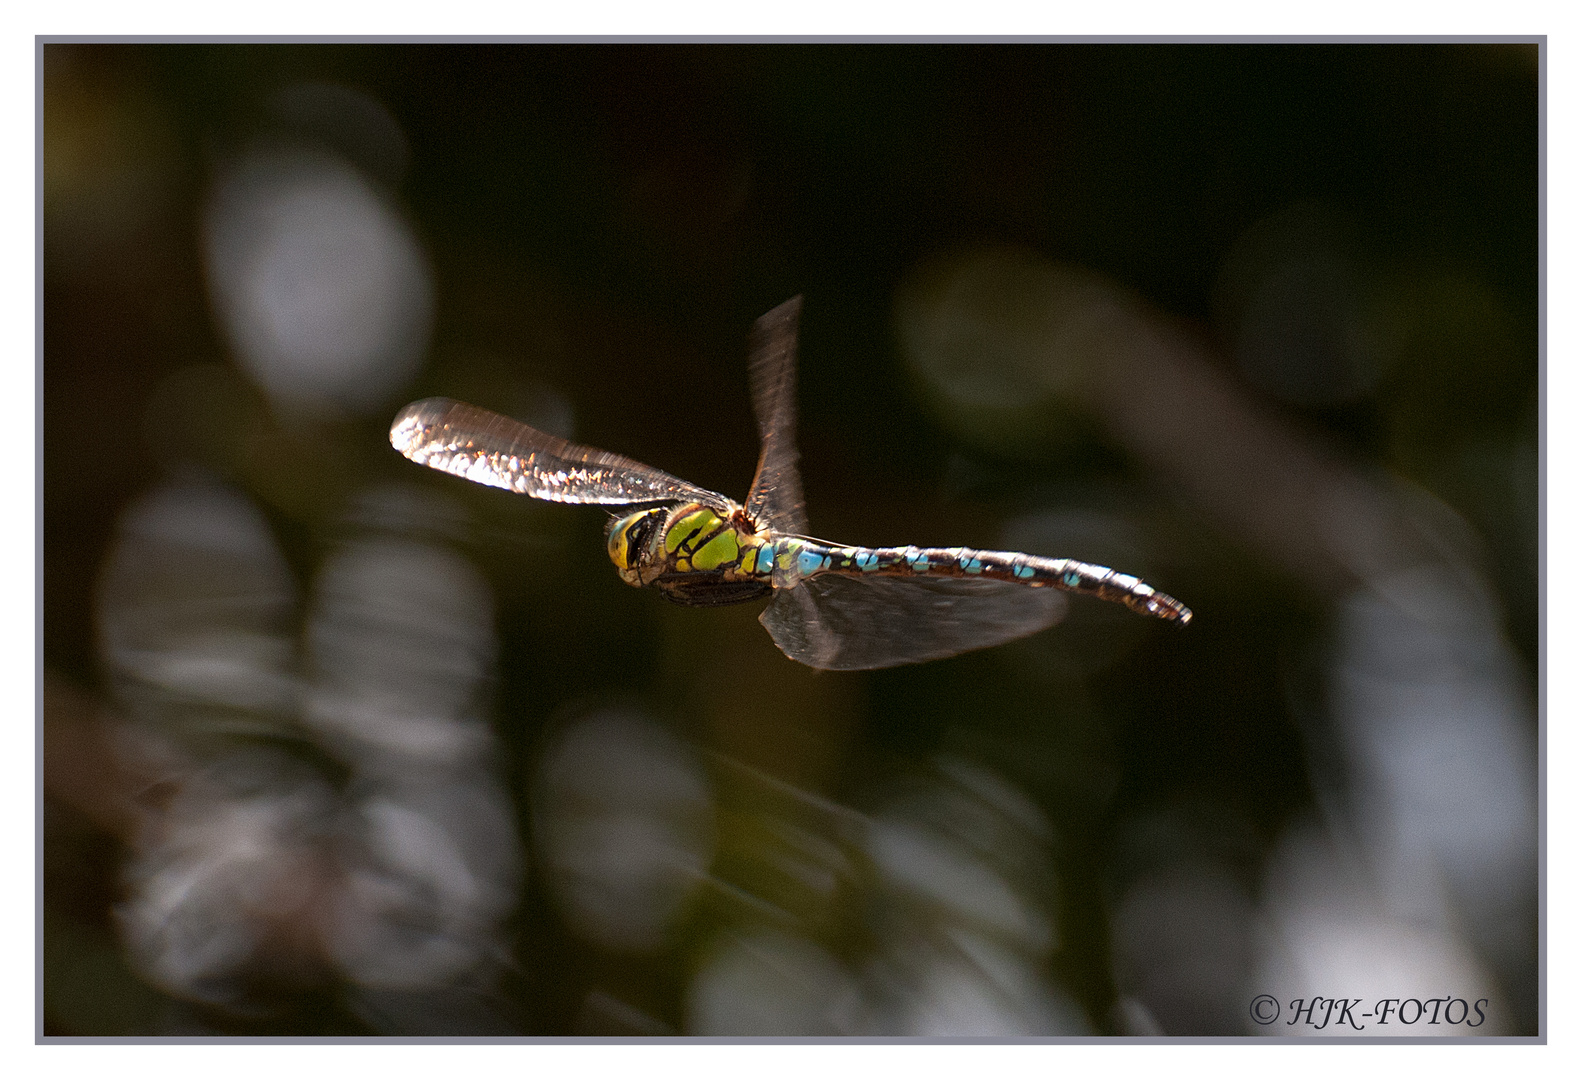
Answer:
[(607, 220)]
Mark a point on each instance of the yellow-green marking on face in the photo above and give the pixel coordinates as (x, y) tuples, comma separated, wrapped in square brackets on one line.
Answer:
[(618, 543)]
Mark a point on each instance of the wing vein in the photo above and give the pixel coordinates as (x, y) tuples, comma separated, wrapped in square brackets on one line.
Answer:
[(491, 449), (775, 499), (847, 623)]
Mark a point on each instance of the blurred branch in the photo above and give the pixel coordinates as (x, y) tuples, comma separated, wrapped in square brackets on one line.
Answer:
[(1171, 403)]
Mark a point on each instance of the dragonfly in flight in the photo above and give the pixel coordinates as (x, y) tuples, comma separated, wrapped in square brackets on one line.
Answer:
[(831, 606)]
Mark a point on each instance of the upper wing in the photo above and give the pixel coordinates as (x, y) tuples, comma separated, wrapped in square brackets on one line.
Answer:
[(776, 496), (845, 623), (488, 448)]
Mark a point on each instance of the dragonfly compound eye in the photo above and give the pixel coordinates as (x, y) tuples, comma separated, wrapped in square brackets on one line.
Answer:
[(629, 536)]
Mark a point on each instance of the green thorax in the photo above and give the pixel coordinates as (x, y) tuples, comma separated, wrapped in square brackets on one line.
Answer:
[(692, 553)]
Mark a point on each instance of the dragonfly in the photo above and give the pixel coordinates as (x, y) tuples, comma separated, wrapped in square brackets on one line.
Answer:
[(831, 606)]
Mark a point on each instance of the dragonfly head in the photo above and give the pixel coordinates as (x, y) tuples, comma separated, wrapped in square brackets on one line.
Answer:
[(628, 539)]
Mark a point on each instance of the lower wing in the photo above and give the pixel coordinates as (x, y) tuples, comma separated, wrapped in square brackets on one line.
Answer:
[(846, 623)]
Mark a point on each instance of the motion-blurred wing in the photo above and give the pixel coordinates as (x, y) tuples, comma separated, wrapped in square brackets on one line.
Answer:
[(853, 623), (776, 496), (488, 448)]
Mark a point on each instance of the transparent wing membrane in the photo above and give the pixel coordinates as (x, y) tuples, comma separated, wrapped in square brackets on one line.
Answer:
[(843, 623), (839, 608), (776, 496), (488, 448)]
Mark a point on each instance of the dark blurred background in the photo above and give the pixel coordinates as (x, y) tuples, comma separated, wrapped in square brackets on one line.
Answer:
[(337, 745)]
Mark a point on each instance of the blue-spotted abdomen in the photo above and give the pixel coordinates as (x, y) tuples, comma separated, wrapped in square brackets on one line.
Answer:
[(809, 562)]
